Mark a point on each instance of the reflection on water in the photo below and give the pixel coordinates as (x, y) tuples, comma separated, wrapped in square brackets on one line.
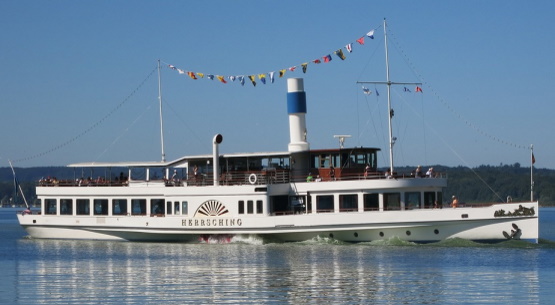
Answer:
[(87, 272)]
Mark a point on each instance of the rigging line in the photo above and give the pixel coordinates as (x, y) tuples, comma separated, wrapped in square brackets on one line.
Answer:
[(123, 133), (446, 105), (93, 126), (184, 123), (456, 153)]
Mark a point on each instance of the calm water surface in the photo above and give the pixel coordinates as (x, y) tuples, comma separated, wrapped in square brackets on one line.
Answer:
[(251, 271)]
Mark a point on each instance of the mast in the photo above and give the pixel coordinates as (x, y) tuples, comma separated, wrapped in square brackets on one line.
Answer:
[(18, 186), (161, 117), (390, 111), (532, 161), (388, 82)]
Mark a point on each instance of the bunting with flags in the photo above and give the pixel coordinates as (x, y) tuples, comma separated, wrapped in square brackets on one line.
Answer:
[(195, 75)]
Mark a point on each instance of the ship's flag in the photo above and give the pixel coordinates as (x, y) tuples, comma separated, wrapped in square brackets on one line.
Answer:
[(242, 80), (340, 54), (252, 78), (316, 61), (172, 67), (271, 74), (200, 74), (292, 68), (407, 89), (370, 34), (349, 47), (180, 71), (366, 90), (305, 66), (221, 79), (282, 72), (418, 89), (262, 78), (533, 159), (210, 76), (377, 93), (327, 58), (191, 75), (361, 40), (232, 78)]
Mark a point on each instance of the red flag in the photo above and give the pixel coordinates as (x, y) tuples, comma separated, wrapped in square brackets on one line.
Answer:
[(418, 89), (361, 40), (533, 159)]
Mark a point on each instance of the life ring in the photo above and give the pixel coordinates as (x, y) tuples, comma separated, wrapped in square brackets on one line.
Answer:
[(252, 178)]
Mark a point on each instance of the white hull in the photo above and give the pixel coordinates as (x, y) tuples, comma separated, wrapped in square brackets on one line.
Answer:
[(412, 225)]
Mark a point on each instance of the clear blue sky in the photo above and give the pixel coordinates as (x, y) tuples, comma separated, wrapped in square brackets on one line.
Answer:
[(71, 69)]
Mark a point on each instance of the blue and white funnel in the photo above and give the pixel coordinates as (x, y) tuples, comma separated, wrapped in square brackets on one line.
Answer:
[(296, 108)]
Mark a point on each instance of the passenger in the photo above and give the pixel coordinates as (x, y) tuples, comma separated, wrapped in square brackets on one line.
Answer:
[(318, 179), (418, 172), (309, 178), (430, 173), (454, 202), (332, 173), (388, 174), (366, 170), (174, 177)]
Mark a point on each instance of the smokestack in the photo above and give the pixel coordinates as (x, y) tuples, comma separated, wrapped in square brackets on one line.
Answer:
[(296, 108), (216, 158)]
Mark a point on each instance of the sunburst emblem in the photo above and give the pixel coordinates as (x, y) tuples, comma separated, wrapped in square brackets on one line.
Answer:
[(212, 208)]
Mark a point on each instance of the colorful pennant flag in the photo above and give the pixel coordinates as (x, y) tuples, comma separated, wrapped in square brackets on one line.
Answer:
[(349, 47), (407, 89), (340, 54), (370, 34), (252, 78), (305, 66), (366, 90), (242, 80), (262, 78), (418, 89), (316, 61), (192, 75), (282, 72), (271, 76), (361, 40), (221, 79), (327, 58)]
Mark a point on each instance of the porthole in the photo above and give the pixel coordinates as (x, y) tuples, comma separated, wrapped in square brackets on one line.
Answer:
[(331, 235), (381, 234), (436, 231), (356, 234), (408, 233)]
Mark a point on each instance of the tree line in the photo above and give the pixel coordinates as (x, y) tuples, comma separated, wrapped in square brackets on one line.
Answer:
[(481, 184)]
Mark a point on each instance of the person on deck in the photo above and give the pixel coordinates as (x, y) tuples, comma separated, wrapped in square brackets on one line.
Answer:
[(454, 202)]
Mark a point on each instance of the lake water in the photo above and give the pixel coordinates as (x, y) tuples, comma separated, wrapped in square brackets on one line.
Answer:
[(249, 271)]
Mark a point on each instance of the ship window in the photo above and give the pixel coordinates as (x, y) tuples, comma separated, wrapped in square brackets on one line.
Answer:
[(324, 204), (250, 207), (259, 207), (157, 206), (50, 206), (66, 207), (176, 208), (184, 209), (241, 207), (412, 200), (429, 198), (119, 207), (392, 201), (138, 206), (371, 202), (348, 203), (169, 208), (100, 206), (83, 207)]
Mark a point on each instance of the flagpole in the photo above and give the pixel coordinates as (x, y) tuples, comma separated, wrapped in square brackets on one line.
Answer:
[(161, 117), (532, 161), (18, 186)]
